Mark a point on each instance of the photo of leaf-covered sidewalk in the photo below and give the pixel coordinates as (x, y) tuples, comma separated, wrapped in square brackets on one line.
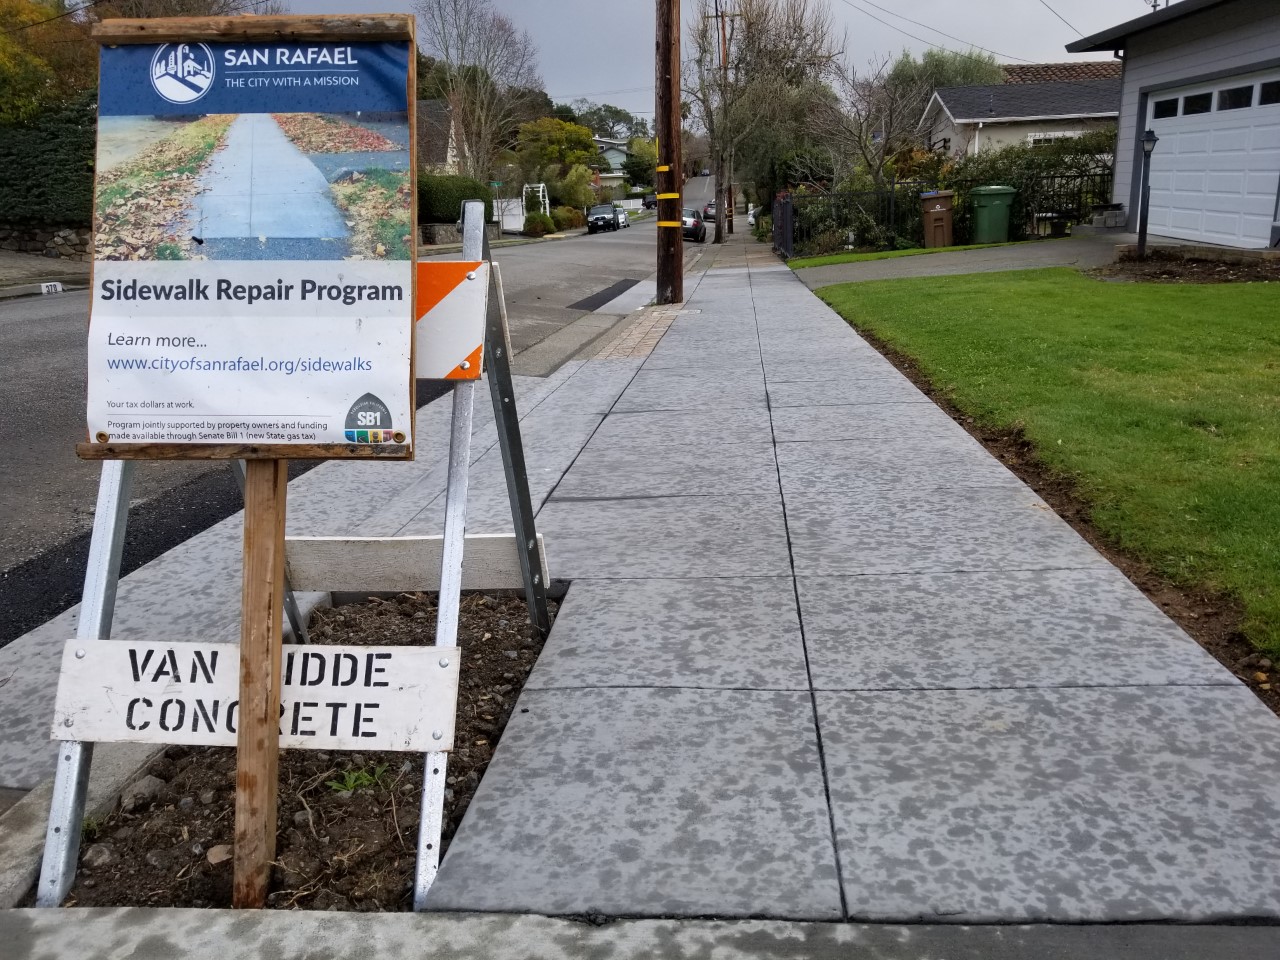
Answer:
[(144, 206), (367, 166)]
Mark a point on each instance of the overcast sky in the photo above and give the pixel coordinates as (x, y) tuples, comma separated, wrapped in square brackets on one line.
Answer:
[(603, 49)]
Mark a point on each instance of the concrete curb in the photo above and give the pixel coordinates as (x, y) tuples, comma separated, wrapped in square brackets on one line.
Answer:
[(34, 289), (286, 935)]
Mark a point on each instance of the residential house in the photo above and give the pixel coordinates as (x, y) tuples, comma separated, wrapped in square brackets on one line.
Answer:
[(1204, 76), (439, 145), (967, 120), (615, 151)]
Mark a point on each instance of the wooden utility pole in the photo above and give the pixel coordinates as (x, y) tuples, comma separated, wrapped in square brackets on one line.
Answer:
[(724, 184), (670, 173)]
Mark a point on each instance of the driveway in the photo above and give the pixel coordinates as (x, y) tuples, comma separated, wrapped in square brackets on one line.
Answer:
[(1083, 251)]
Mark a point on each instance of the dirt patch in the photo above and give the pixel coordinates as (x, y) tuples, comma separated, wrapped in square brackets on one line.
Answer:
[(1167, 267), (1212, 619), (348, 822)]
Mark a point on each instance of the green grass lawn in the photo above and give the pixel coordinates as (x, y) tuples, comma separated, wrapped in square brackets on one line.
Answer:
[(1161, 400), (799, 263)]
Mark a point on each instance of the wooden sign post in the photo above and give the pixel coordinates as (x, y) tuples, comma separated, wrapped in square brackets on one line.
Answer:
[(258, 738)]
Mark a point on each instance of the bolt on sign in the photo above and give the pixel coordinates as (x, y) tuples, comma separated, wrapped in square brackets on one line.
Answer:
[(253, 282)]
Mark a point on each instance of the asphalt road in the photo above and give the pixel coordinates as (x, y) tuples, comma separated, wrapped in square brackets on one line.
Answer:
[(47, 495)]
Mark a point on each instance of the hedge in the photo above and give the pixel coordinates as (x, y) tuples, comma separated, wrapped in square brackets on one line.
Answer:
[(538, 225), (440, 197), (48, 166)]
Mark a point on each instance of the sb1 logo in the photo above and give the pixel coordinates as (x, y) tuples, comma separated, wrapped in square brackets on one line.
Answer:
[(369, 418)]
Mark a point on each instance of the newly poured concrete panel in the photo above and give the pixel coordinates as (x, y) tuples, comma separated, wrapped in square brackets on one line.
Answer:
[(725, 634), (980, 528), (1011, 628), (649, 803), (1059, 805)]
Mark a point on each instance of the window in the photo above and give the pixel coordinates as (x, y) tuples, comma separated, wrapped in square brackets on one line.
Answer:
[(1197, 103), (1165, 108), (1235, 98), (1269, 93)]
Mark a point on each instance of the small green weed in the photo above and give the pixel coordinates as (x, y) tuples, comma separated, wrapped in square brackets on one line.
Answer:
[(357, 779)]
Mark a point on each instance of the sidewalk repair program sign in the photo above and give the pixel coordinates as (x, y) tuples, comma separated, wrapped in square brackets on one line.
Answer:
[(253, 279)]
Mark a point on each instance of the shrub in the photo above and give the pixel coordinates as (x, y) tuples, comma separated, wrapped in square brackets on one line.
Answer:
[(764, 227), (566, 218), (48, 166), (440, 197), (538, 225)]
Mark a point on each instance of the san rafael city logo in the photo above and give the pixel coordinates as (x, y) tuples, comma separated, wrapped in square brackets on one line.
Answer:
[(369, 421), (182, 72)]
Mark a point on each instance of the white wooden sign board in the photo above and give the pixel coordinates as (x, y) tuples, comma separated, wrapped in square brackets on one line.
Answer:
[(453, 299), (332, 697)]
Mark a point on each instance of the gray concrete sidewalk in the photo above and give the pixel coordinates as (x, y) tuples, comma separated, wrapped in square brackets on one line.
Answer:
[(1084, 251), (822, 659)]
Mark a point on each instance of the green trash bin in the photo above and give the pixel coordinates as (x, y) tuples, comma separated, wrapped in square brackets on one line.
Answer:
[(991, 213)]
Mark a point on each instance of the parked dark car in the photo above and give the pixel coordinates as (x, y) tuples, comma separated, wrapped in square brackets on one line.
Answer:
[(709, 211), (650, 201), (601, 217), (692, 226)]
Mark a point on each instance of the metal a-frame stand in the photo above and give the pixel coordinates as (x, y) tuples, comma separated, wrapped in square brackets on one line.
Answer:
[(62, 839)]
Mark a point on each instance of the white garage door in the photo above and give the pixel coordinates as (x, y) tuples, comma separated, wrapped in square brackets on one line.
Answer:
[(1215, 174)]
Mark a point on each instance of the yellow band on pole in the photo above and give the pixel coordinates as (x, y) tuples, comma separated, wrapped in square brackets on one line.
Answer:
[(670, 223), (664, 168), (668, 196)]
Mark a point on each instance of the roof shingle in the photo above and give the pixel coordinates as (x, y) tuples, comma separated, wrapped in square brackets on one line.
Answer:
[(1013, 101), (1062, 72)]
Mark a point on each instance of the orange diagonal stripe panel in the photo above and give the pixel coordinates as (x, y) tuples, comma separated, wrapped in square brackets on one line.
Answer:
[(437, 279), (473, 367)]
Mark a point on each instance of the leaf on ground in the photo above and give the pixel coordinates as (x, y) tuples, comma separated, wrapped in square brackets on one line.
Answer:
[(321, 133), (218, 854)]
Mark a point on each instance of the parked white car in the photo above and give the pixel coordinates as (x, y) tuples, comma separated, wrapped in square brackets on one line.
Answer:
[(623, 219), (751, 216)]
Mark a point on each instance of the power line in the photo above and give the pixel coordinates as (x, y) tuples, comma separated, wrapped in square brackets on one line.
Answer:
[(1045, 4), (892, 26), (74, 10)]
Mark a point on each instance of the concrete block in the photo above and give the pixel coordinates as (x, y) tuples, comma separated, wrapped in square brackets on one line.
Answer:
[(1006, 629), (747, 425), (610, 470), (734, 536), (708, 633), (664, 390), (864, 421), (649, 803), (1056, 805), (829, 393), (952, 460), (882, 531)]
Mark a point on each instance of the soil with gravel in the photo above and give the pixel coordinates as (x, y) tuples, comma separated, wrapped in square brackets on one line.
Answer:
[(348, 822), (1165, 267), (1212, 619)]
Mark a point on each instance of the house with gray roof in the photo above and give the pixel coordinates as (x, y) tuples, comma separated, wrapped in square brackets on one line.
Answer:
[(961, 121), (1204, 76)]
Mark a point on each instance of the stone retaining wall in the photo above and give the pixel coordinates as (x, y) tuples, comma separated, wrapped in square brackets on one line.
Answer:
[(51, 240), (436, 233)]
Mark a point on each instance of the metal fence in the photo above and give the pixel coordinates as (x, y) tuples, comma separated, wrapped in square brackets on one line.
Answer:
[(816, 224)]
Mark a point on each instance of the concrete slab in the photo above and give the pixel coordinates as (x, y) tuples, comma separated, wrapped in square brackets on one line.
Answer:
[(855, 368), (949, 530), (667, 537), (292, 935), (955, 460), (1008, 629), (842, 392), (1065, 805), (649, 803), (865, 421), (748, 425), (609, 470), (662, 390), (708, 634), (680, 356)]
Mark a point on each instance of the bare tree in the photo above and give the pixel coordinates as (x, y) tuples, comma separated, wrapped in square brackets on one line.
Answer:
[(491, 74), (746, 67)]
